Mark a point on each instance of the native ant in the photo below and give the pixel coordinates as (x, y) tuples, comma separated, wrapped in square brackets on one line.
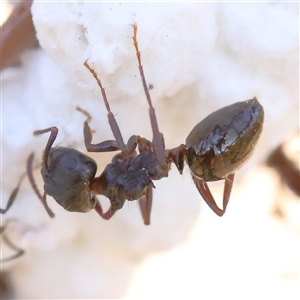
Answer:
[(214, 150)]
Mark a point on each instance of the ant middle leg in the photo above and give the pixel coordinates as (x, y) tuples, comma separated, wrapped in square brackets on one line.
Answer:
[(9, 243), (208, 197), (145, 204)]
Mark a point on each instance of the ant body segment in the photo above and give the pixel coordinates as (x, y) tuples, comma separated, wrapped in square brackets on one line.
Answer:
[(217, 146)]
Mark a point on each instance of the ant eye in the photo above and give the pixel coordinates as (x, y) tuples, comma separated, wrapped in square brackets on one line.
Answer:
[(69, 162)]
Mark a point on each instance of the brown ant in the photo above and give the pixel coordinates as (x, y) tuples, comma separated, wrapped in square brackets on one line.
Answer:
[(215, 149)]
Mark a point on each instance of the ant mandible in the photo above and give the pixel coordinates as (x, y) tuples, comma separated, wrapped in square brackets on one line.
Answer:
[(216, 147)]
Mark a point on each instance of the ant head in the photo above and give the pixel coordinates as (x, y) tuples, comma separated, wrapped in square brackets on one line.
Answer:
[(68, 177)]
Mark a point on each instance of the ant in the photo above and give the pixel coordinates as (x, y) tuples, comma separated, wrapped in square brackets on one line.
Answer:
[(214, 150)]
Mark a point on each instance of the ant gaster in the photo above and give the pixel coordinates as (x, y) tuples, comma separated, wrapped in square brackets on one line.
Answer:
[(215, 149)]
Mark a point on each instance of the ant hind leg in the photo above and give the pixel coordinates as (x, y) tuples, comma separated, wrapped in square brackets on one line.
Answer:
[(209, 199), (145, 204)]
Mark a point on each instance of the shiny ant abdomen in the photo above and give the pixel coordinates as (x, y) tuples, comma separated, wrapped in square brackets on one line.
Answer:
[(230, 142), (215, 149)]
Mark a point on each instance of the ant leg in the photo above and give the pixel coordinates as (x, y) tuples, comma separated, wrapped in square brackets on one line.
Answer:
[(107, 215), (158, 143), (19, 251), (34, 186), (227, 189), (209, 199), (111, 119), (146, 205), (12, 196), (105, 146), (52, 137)]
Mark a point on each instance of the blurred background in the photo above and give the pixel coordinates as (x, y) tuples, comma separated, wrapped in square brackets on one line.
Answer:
[(198, 57)]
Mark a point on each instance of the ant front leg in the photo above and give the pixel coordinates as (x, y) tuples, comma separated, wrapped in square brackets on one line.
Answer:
[(105, 146), (53, 134), (107, 215), (145, 204), (19, 251), (111, 119), (100, 185), (34, 186), (13, 195), (209, 199)]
